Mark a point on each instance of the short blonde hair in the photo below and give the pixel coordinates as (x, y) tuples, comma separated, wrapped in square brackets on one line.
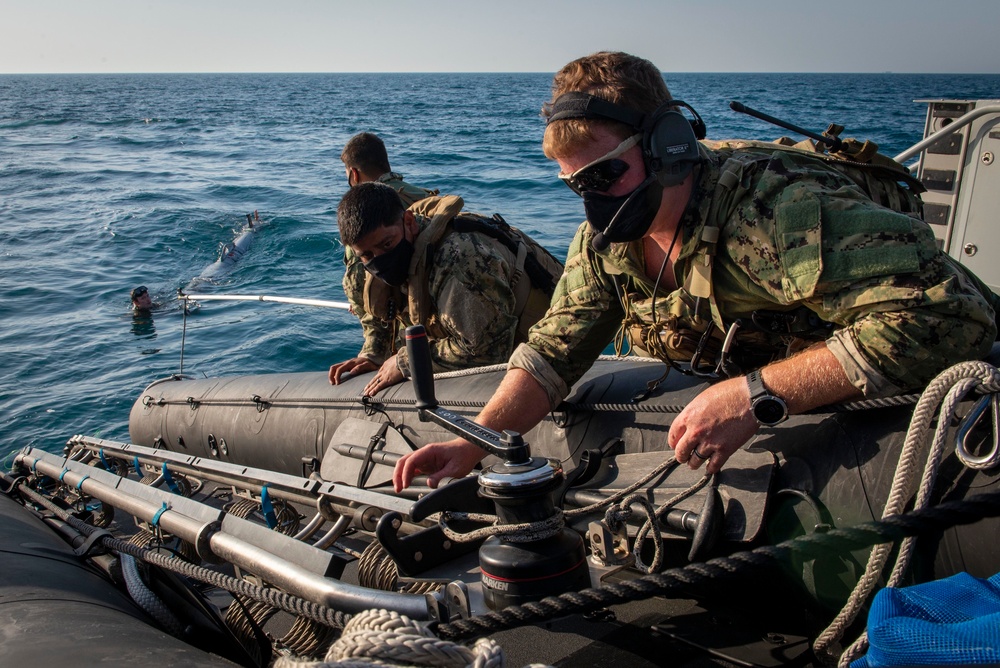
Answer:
[(614, 76)]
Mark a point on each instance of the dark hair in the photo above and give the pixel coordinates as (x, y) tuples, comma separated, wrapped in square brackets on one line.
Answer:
[(138, 292), (366, 152), (366, 207)]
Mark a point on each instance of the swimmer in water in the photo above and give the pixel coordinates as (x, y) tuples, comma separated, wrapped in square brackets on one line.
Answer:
[(141, 301)]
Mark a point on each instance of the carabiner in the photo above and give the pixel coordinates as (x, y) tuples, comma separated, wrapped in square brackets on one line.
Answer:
[(992, 458)]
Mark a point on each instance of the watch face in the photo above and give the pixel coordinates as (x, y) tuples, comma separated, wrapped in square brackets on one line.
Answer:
[(769, 410)]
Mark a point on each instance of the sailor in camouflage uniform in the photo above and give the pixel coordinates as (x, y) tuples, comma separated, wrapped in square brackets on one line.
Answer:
[(731, 243), (476, 284), (365, 159)]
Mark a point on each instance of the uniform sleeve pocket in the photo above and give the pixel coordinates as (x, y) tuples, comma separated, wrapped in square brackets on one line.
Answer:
[(798, 227)]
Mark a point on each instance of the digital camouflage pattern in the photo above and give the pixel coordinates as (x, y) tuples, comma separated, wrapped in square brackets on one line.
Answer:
[(410, 194), (467, 288), (793, 233)]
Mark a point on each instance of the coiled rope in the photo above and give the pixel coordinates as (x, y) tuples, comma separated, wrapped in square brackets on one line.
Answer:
[(942, 398), (384, 638), (377, 570)]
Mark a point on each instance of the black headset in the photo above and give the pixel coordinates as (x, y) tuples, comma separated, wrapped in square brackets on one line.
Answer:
[(669, 139)]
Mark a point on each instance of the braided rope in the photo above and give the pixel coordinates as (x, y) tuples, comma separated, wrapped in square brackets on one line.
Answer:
[(522, 532), (629, 407), (679, 581), (651, 525), (682, 581), (148, 600), (384, 638), (942, 396), (377, 570), (617, 516), (661, 468)]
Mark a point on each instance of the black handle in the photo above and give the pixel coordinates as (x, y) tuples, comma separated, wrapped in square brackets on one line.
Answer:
[(421, 372), (508, 445)]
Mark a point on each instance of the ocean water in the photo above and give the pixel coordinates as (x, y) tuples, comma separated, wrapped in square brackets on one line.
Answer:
[(111, 181)]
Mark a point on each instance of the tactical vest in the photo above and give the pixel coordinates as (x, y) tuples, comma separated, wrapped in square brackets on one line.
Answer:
[(533, 279), (409, 194), (689, 326)]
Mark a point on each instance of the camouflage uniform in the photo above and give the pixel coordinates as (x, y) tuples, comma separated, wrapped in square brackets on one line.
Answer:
[(354, 271), (469, 293), (793, 232)]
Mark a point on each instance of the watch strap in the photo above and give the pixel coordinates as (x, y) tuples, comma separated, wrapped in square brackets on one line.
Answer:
[(756, 384)]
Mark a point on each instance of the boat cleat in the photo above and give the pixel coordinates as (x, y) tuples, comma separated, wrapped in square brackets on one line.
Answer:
[(609, 547)]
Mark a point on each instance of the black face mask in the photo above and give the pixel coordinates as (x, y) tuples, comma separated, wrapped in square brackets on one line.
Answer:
[(392, 267), (623, 218)]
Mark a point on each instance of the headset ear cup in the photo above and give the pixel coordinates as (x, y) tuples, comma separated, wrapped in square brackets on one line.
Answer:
[(671, 146), (698, 126), (697, 123)]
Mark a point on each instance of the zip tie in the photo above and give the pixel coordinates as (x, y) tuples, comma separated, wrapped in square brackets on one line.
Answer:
[(267, 507), (137, 465), (155, 522), (80, 484), (107, 465), (63, 474), (169, 479)]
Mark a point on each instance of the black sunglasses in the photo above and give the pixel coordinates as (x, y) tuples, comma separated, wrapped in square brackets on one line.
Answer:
[(599, 177), (602, 173)]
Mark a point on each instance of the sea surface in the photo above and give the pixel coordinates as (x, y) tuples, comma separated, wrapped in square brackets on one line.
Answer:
[(112, 181)]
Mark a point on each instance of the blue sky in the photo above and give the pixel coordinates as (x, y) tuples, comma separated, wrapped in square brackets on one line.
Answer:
[(496, 36)]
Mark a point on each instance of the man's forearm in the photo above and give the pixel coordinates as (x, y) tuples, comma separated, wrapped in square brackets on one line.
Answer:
[(519, 404), (808, 380)]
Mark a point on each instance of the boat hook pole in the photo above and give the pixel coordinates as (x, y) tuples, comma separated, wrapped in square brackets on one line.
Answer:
[(188, 298), (264, 298)]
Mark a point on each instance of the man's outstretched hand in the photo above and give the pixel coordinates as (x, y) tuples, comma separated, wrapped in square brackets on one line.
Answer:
[(437, 461)]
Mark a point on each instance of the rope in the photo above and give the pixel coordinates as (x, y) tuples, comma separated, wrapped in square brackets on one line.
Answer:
[(384, 638), (245, 619), (944, 393), (522, 532), (678, 581), (618, 515), (661, 468), (377, 570), (305, 635), (613, 515), (146, 599), (286, 517), (681, 581), (629, 407)]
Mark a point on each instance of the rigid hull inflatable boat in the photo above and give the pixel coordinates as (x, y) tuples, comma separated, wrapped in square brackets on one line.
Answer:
[(252, 517)]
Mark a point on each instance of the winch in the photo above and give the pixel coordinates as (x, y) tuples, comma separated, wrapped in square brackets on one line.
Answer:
[(545, 558)]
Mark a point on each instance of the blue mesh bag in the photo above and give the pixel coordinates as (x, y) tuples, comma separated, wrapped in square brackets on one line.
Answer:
[(954, 621)]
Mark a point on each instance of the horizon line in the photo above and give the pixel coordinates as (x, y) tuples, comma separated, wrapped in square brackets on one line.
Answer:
[(411, 73)]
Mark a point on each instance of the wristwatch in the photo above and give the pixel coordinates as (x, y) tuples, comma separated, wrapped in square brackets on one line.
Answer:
[(767, 408)]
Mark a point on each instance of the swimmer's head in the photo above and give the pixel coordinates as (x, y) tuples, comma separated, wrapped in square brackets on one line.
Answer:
[(141, 300)]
